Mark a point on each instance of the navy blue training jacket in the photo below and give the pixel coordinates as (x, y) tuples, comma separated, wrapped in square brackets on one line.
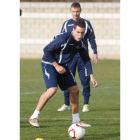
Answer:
[(63, 49)]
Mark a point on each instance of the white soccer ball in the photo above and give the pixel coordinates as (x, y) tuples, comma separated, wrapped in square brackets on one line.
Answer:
[(76, 131)]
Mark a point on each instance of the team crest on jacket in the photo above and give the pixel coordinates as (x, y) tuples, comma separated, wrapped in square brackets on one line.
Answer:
[(77, 47)]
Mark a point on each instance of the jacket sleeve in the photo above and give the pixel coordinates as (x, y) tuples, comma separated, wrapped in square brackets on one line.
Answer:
[(91, 37), (86, 59), (54, 45), (64, 27)]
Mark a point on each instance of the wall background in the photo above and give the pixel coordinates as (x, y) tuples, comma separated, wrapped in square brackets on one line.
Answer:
[(40, 21)]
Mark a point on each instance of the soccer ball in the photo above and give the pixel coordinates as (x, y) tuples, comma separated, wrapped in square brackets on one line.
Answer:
[(76, 131)]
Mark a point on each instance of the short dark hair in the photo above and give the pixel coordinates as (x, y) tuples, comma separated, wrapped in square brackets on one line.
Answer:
[(80, 23), (76, 4)]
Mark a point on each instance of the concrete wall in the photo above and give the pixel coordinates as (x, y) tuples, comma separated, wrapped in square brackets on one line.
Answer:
[(40, 21)]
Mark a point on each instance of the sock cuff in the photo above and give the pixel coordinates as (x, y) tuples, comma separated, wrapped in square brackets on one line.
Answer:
[(76, 118), (36, 111)]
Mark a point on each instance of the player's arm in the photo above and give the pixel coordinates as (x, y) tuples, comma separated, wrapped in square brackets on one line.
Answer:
[(54, 45), (85, 57), (93, 80), (59, 68), (48, 51), (92, 41), (63, 27)]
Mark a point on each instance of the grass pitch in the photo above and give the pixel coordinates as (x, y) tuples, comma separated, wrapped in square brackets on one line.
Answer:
[(104, 114)]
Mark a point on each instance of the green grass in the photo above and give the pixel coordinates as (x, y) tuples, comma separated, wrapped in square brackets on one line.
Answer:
[(104, 114)]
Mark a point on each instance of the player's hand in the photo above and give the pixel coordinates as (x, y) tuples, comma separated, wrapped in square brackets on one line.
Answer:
[(95, 84), (60, 69), (95, 58), (93, 80)]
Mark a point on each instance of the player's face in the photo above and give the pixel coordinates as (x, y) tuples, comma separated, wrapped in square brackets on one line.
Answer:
[(75, 11), (78, 33)]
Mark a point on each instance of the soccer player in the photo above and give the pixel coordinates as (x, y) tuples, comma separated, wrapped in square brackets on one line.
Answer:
[(77, 61), (57, 54)]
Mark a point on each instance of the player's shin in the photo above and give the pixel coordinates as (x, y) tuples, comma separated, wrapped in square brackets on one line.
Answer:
[(45, 97), (74, 99)]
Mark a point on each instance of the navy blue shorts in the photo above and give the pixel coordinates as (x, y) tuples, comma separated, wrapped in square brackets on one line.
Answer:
[(52, 78)]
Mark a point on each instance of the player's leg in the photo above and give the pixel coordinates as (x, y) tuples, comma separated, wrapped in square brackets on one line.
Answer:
[(66, 105), (85, 81), (74, 100), (45, 97), (50, 77), (42, 101), (67, 81)]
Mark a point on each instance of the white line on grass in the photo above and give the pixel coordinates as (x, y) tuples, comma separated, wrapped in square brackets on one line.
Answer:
[(29, 80), (61, 91), (70, 119), (30, 92), (105, 87), (41, 79), (36, 92)]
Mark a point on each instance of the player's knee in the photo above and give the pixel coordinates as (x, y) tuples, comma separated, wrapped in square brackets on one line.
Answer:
[(76, 90), (52, 90)]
